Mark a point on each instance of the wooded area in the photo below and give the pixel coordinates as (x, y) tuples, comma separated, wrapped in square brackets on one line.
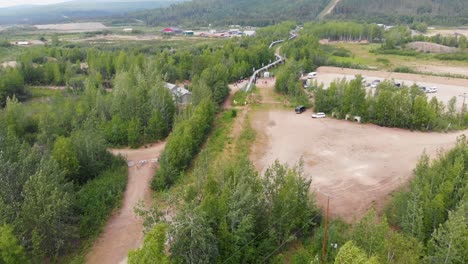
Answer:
[(235, 12)]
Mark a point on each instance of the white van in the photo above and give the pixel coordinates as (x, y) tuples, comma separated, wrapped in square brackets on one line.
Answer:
[(311, 75)]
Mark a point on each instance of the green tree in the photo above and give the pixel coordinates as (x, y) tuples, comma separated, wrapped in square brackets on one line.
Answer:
[(153, 250), (47, 210), (449, 243), (349, 253), (133, 132), (11, 252), (65, 155)]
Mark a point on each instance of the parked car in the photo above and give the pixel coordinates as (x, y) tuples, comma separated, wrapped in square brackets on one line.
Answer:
[(300, 109), (319, 115), (311, 75), (375, 83), (432, 89)]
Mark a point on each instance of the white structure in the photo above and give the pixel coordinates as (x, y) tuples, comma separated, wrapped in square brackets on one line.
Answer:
[(22, 43), (249, 33), (180, 94), (128, 30)]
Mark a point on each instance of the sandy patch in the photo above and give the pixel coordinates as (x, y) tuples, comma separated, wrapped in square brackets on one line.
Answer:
[(7, 64), (358, 165), (430, 47), (73, 27), (448, 32)]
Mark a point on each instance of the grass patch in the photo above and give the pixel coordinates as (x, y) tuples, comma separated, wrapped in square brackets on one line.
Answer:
[(404, 69), (40, 92), (383, 61), (246, 139)]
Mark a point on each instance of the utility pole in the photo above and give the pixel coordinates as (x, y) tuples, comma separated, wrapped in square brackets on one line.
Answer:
[(463, 107), (324, 249)]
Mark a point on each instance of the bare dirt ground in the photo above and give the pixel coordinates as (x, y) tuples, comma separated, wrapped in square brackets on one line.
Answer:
[(448, 32), (442, 69), (11, 64), (448, 87), (124, 231), (73, 27), (430, 47), (357, 165)]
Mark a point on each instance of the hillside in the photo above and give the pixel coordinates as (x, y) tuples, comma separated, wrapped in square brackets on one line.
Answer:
[(439, 12), (73, 10), (227, 12)]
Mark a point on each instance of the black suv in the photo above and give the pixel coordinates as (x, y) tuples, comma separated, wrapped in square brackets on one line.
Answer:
[(300, 109)]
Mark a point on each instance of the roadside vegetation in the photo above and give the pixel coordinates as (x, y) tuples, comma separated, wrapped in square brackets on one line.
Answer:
[(387, 105)]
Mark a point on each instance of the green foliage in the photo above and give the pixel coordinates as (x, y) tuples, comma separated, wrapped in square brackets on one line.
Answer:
[(183, 144), (237, 12), (11, 252), (404, 69), (97, 199), (433, 210), (287, 83), (449, 12), (453, 56), (237, 217), (349, 253), (345, 31), (449, 241), (404, 107), (47, 211), (66, 156), (11, 85), (369, 235), (153, 248)]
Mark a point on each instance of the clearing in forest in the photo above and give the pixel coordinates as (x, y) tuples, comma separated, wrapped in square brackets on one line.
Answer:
[(358, 165)]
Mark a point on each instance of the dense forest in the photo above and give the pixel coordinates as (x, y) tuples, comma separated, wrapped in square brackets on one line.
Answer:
[(234, 12), (70, 11), (433, 12)]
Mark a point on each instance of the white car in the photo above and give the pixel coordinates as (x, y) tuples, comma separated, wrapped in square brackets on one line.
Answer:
[(375, 83), (311, 75), (432, 89), (319, 115)]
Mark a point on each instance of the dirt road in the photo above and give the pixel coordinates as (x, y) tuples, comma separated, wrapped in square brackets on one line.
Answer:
[(358, 165), (448, 87), (124, 231), (328, 9)]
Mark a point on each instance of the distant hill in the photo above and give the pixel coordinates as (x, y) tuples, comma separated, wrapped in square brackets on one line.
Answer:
[(440, 12), (76, 10), (234, 12)]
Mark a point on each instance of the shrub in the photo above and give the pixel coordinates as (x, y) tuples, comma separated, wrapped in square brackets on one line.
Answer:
[(98, 198)]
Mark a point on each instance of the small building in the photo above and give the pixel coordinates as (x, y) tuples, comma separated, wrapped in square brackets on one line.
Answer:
[(128, 30), (179, 94), (171, 30)]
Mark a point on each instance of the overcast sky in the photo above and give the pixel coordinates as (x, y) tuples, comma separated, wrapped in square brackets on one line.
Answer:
[(6, 3)]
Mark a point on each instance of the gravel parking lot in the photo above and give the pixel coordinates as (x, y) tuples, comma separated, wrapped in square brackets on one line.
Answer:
[(448, 87), (358, 165)]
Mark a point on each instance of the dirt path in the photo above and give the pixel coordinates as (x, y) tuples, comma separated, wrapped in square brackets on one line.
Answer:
[(124, 231), (328, 9)]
